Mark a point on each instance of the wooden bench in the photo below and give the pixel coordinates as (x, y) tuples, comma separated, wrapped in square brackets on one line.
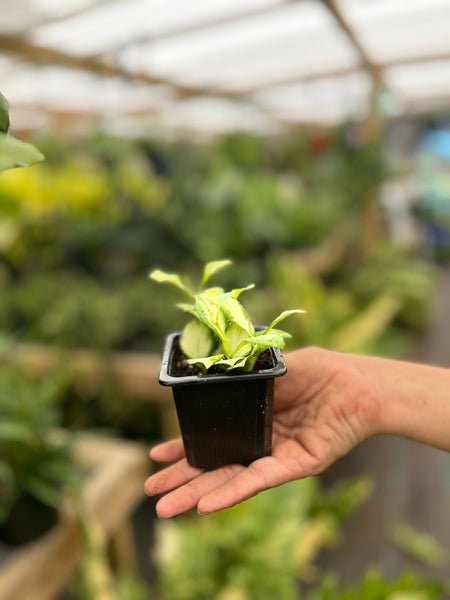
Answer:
[(113, 488)]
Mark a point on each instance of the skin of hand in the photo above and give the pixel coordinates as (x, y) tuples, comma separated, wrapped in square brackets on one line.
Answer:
[(326, 404)]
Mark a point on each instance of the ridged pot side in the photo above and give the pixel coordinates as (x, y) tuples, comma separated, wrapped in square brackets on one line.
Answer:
[(224, 419)]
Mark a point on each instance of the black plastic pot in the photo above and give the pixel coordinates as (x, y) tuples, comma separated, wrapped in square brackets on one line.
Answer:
[(29, 519), (224, 419)]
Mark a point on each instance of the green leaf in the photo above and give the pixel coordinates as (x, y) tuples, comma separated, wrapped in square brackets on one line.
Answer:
[(43, 491), (283, 315), (175, 280), (269, 340), (205, 363), (234, 311), (14, 153), (213, 294), (420, 546), (224, 364), (237, 337), (188, 308), (6, 474), (237, 292), (283, 334), (57, 466), (212, 267), (7, 489), (11, 431), (196, 340), (4, 115)]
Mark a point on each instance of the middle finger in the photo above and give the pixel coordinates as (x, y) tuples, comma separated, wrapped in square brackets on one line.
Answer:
[(187, 496)]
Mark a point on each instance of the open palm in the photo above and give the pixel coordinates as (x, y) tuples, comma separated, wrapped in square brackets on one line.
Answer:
[(324, 406)]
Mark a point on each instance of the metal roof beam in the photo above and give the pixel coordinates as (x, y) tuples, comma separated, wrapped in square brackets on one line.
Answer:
[(372, 68), (342, 71), (49, 56)]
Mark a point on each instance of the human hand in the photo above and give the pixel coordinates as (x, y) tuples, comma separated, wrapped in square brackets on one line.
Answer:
[(325, 405)]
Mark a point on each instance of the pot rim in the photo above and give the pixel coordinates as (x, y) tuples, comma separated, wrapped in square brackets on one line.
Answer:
[(278, 370)]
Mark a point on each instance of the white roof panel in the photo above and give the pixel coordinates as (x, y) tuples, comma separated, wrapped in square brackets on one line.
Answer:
[(336, 98), (80, 91), (271, 60), (251, 35), (423, 80), (397, 30), (124, 21)]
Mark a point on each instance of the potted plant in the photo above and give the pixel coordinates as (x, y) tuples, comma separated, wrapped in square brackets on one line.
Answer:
[(221, 370)]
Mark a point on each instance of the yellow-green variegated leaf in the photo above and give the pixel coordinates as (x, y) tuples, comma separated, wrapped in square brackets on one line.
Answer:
[(187, 308), (267, 340), (284, 334), (229, 364), (283, 315), (196, 340), (212, 267), (205, 363), (235, 312), (236, 337), (163, 277), (213, 293), (14, 153), (210, 313)]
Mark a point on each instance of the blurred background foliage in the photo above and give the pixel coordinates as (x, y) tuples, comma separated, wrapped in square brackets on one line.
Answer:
[(80, 233)]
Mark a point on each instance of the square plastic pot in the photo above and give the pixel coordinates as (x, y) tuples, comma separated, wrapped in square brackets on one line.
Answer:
[(224, 419)]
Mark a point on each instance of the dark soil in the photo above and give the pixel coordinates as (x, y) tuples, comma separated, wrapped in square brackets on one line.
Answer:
[(181, 368)]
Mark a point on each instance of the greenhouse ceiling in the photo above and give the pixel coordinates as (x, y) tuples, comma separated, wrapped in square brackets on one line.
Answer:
[(211, 66)]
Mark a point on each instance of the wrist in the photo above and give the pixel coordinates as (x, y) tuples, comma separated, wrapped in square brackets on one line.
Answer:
[(413, 400)]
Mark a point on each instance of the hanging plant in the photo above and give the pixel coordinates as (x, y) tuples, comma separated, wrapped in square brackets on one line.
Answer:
[(13, 152)]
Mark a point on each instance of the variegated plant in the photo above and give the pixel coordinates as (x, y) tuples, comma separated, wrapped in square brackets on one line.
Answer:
[(220, 333)]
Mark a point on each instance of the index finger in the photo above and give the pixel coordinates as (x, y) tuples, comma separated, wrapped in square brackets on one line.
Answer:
[(171, 451)]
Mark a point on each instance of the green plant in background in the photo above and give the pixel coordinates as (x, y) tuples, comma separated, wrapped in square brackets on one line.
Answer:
[(255, 551), (75, 237), (266, 548), (374, 586), (77, 233), (13, 152), (418, 545), (221, 333), (373, 304), (30, 461), (102, 208)]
